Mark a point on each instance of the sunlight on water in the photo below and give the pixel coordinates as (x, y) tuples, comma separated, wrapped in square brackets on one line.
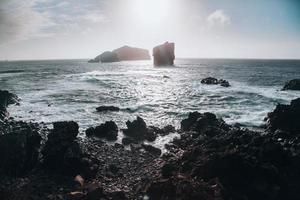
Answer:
[(71, 90)]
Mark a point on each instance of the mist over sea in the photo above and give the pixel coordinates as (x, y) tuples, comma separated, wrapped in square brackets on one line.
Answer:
[(72, 89)]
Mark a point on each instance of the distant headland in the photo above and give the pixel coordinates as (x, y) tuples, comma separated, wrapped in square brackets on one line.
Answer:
[(124, 53), (163, 55)]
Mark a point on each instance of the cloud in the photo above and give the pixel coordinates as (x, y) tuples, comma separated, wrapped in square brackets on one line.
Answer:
[(26, 19), (218, 18), (19, 20)]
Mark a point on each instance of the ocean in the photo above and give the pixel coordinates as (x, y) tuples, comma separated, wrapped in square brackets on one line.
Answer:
[(60, 90)]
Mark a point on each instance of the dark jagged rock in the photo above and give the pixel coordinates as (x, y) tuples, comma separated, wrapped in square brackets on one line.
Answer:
[(203, 123), (107, 108), (105, 57), (210, 81), (108, 130), (19, 147), (292, 85), (181, 187), (128, 140), (161, 131), (231, 163), (6, 98), (151, 149), (214, 81), (131, 53), (285, 118), (137, 130), (164, 54), (62, 152)]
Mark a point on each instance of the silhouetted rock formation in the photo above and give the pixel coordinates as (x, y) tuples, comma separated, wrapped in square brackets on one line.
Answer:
[(164, 54), (107, 108), (19, 147), (214, 81), (122, 54), (108, 130), (62, 152), (292, 85), (6, 98), (285, 117), (224, 162), (137, 131), (107, 56), (131, 53)]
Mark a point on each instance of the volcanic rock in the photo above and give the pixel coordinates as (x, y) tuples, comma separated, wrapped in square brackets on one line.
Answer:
[(108, 130), (292, 85), (62, 152), (164, 54), (203, 123), (6, 98), (138, 131), (107, 108), (151, 149), (214, 81), (19, 147), (285, 118)]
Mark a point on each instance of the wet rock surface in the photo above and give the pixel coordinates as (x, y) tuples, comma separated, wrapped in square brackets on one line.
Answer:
[(214, 81), (108, 130), (292, 85), (211, 160), (137, 131), (6, 98), (107, 108), (285, 118)]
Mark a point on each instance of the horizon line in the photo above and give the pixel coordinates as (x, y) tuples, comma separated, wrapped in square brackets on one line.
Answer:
[(179, 58)]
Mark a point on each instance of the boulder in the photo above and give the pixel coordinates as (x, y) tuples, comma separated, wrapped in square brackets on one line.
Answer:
[(285, 118), (151, 149), (105, 57), (108, 130), (292, 85), (164, 54), (61, 152), (210, 81), (214, 81), (107, 108), (6, 98), (137, 130), (19, 148), (203, 123), (131, 53)]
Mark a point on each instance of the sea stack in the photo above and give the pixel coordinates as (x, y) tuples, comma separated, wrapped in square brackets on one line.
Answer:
[(164, 54)]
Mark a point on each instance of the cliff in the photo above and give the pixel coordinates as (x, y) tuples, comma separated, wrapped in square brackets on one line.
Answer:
[(132, 53), (122, 54)]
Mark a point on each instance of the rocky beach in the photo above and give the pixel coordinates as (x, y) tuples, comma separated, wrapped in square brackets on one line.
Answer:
[(210, 160)]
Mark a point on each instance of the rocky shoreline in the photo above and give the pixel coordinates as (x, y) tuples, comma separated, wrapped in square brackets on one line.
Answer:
[(211, 160)]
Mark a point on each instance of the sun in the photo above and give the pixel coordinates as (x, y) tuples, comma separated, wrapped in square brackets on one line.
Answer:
[(151, 12)]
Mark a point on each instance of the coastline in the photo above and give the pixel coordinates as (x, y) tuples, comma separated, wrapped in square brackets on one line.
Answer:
[(210, 160)]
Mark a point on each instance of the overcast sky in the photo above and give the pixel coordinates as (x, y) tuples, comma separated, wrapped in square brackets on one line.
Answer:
[(57, 29)]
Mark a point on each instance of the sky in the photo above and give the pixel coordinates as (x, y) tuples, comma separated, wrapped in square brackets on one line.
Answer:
[(58, 29)]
